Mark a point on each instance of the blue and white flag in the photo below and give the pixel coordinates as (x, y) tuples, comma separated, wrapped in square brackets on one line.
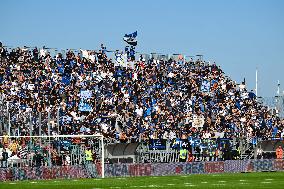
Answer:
[(121, 59), (205, 86), (84, 105), (131, 38), (85, 94)]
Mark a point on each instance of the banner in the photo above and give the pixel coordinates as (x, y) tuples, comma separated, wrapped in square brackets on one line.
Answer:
[(139, 169), (157, 144), (131, 38), (180, 144), (85, 105), (44, 173), (205, 86), (163, 169), (85, 94), (198, 121), (121, 59)]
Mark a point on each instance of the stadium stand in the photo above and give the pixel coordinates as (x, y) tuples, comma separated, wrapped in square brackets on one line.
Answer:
[(190, 104)]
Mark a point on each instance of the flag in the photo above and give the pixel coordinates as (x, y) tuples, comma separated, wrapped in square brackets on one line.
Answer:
[(23, 152), (205, 86), (84, 105), (131, 38), (121, 59)]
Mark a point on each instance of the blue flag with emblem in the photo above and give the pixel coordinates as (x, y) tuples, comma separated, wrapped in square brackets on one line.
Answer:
[(84, 105), (205, 86), (131, 38)]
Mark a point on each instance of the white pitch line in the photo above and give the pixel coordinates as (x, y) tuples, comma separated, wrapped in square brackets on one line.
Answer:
[(268, 179), (154, 186), (12, 183), (204, 182), (170, 184), (243, 180), (222, 181), (266, 182), (75, 180), (189, 184)]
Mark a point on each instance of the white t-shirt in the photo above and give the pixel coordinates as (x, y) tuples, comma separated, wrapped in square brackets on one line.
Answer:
[(170, 75), (139, 111), (242, 87), (126, 97), (135, 76), (31, 87), (243, 119), (104, 127), (207, 135), (92, 58), (42, 52)]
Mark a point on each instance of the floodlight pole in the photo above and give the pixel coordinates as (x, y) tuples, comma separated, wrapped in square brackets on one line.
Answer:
[(103, 157), (48, 133), (278, 88), (256, 82)]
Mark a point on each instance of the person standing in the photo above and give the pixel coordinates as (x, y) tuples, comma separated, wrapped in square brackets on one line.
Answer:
[(259, 152), (88, 155), (4, 158), (38, 159), (279, 153), (182, 155)]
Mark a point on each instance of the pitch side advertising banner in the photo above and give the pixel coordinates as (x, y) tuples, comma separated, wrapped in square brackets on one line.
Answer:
[(146, 169)]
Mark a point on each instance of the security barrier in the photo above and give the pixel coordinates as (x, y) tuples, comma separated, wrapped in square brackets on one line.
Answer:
[(55, 172), (148, 169), (159, 169)]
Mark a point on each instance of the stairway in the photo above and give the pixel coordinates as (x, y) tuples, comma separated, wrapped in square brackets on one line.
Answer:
[(247, 151)]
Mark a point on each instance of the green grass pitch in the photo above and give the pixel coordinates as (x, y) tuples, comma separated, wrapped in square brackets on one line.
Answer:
[(237, 180)]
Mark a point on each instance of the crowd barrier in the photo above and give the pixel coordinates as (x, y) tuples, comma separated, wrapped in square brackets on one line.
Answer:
[(45, 173), (148, 169), (159, 169)]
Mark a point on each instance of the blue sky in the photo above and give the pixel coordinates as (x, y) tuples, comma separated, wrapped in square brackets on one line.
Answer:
[(239, 35)]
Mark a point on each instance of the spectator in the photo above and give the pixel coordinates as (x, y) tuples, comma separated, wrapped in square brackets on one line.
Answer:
[(88, 156), (88, 93), (4, 158), (259, 152), (38, 159), (279, 152)]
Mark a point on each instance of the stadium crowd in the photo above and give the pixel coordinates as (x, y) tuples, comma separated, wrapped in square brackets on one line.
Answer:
[(130, 102)]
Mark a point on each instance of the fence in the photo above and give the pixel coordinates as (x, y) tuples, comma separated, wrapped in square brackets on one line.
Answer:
[(14, 120), (150, 169)]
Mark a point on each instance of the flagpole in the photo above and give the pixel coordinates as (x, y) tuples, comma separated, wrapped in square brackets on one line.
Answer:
[(278, 88), (256, 82)]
